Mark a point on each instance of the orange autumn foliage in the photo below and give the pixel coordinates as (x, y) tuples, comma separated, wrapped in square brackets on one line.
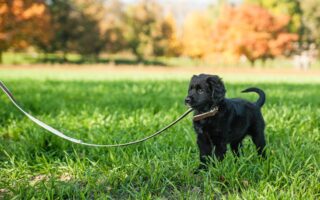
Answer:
[(171, 43), (22, 22), (197, 36), (254, 32)]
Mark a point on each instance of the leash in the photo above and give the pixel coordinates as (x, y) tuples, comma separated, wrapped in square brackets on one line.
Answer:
[(62, 135)]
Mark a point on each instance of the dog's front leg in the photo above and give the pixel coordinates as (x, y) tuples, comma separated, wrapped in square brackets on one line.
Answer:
[(236, 147), (205, 148), (220, 151)]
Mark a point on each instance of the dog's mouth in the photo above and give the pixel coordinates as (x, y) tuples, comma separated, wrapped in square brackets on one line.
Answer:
[(194, 105), (199, 105), (188, 105)]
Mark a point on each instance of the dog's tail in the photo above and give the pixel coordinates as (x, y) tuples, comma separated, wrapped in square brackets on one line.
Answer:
[(262, 95)]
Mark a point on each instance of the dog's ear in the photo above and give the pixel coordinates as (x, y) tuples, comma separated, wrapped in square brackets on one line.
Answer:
[(217, 87), (191, 80)]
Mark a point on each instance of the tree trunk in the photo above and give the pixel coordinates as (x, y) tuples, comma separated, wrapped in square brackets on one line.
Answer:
[(64, 57), (46, 57), (252, 62), (138, 55), (96, 57), (301, 30), (139, 59), (264, 60)]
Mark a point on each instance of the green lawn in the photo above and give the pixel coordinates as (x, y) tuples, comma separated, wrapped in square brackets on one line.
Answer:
[(14, 58), (34, 163)]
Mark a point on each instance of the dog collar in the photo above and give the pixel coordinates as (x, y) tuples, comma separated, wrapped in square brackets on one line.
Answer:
[(211, 113)]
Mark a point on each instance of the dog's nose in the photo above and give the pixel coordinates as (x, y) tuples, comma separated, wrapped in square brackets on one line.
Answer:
[(187, 100)]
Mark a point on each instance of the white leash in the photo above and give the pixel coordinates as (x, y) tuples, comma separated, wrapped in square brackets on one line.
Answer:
[(60, 134)]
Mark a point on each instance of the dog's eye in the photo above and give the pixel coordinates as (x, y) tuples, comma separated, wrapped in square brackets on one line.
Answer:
[(200, 91)]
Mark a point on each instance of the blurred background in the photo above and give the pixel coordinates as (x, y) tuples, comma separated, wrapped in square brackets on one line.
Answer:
[(234, 33)]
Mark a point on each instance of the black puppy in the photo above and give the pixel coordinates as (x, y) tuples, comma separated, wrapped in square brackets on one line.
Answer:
[(229, 121)]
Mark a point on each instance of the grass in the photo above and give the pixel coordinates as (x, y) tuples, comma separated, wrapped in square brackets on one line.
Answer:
[(35, 164), (14, 58)]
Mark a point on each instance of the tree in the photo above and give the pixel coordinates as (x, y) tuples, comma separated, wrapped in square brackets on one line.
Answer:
[(22, 23), (140, 21), (113, 27), (148, 32), (76, 28), (164, 38), (311, 19), (290, 8), (65, 20), (254, 32), (171, 45), (89, 35), (197, 35), (87, 27), (89, 42)]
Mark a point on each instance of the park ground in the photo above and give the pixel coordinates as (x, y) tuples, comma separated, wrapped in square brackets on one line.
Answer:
[(112, 104), (141, 72)]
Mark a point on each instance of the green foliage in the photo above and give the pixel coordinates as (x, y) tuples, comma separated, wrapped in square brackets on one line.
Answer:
[(35, 164), (114, 27), (83, 27), (88, 40), (65, 23), (74, 29), (148, 32), (311, 19)]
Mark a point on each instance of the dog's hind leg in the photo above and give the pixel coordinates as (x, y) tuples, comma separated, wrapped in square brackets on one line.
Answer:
[(260, 142)]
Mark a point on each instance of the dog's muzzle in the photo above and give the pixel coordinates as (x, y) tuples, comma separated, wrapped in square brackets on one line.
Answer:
[(188, 101)]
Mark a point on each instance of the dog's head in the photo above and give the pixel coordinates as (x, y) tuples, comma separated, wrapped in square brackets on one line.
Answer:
[(205, 90)]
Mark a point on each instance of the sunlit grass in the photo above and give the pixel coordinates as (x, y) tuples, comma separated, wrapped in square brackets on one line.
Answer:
[(107, 72), (14, 58), (34, 163)]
